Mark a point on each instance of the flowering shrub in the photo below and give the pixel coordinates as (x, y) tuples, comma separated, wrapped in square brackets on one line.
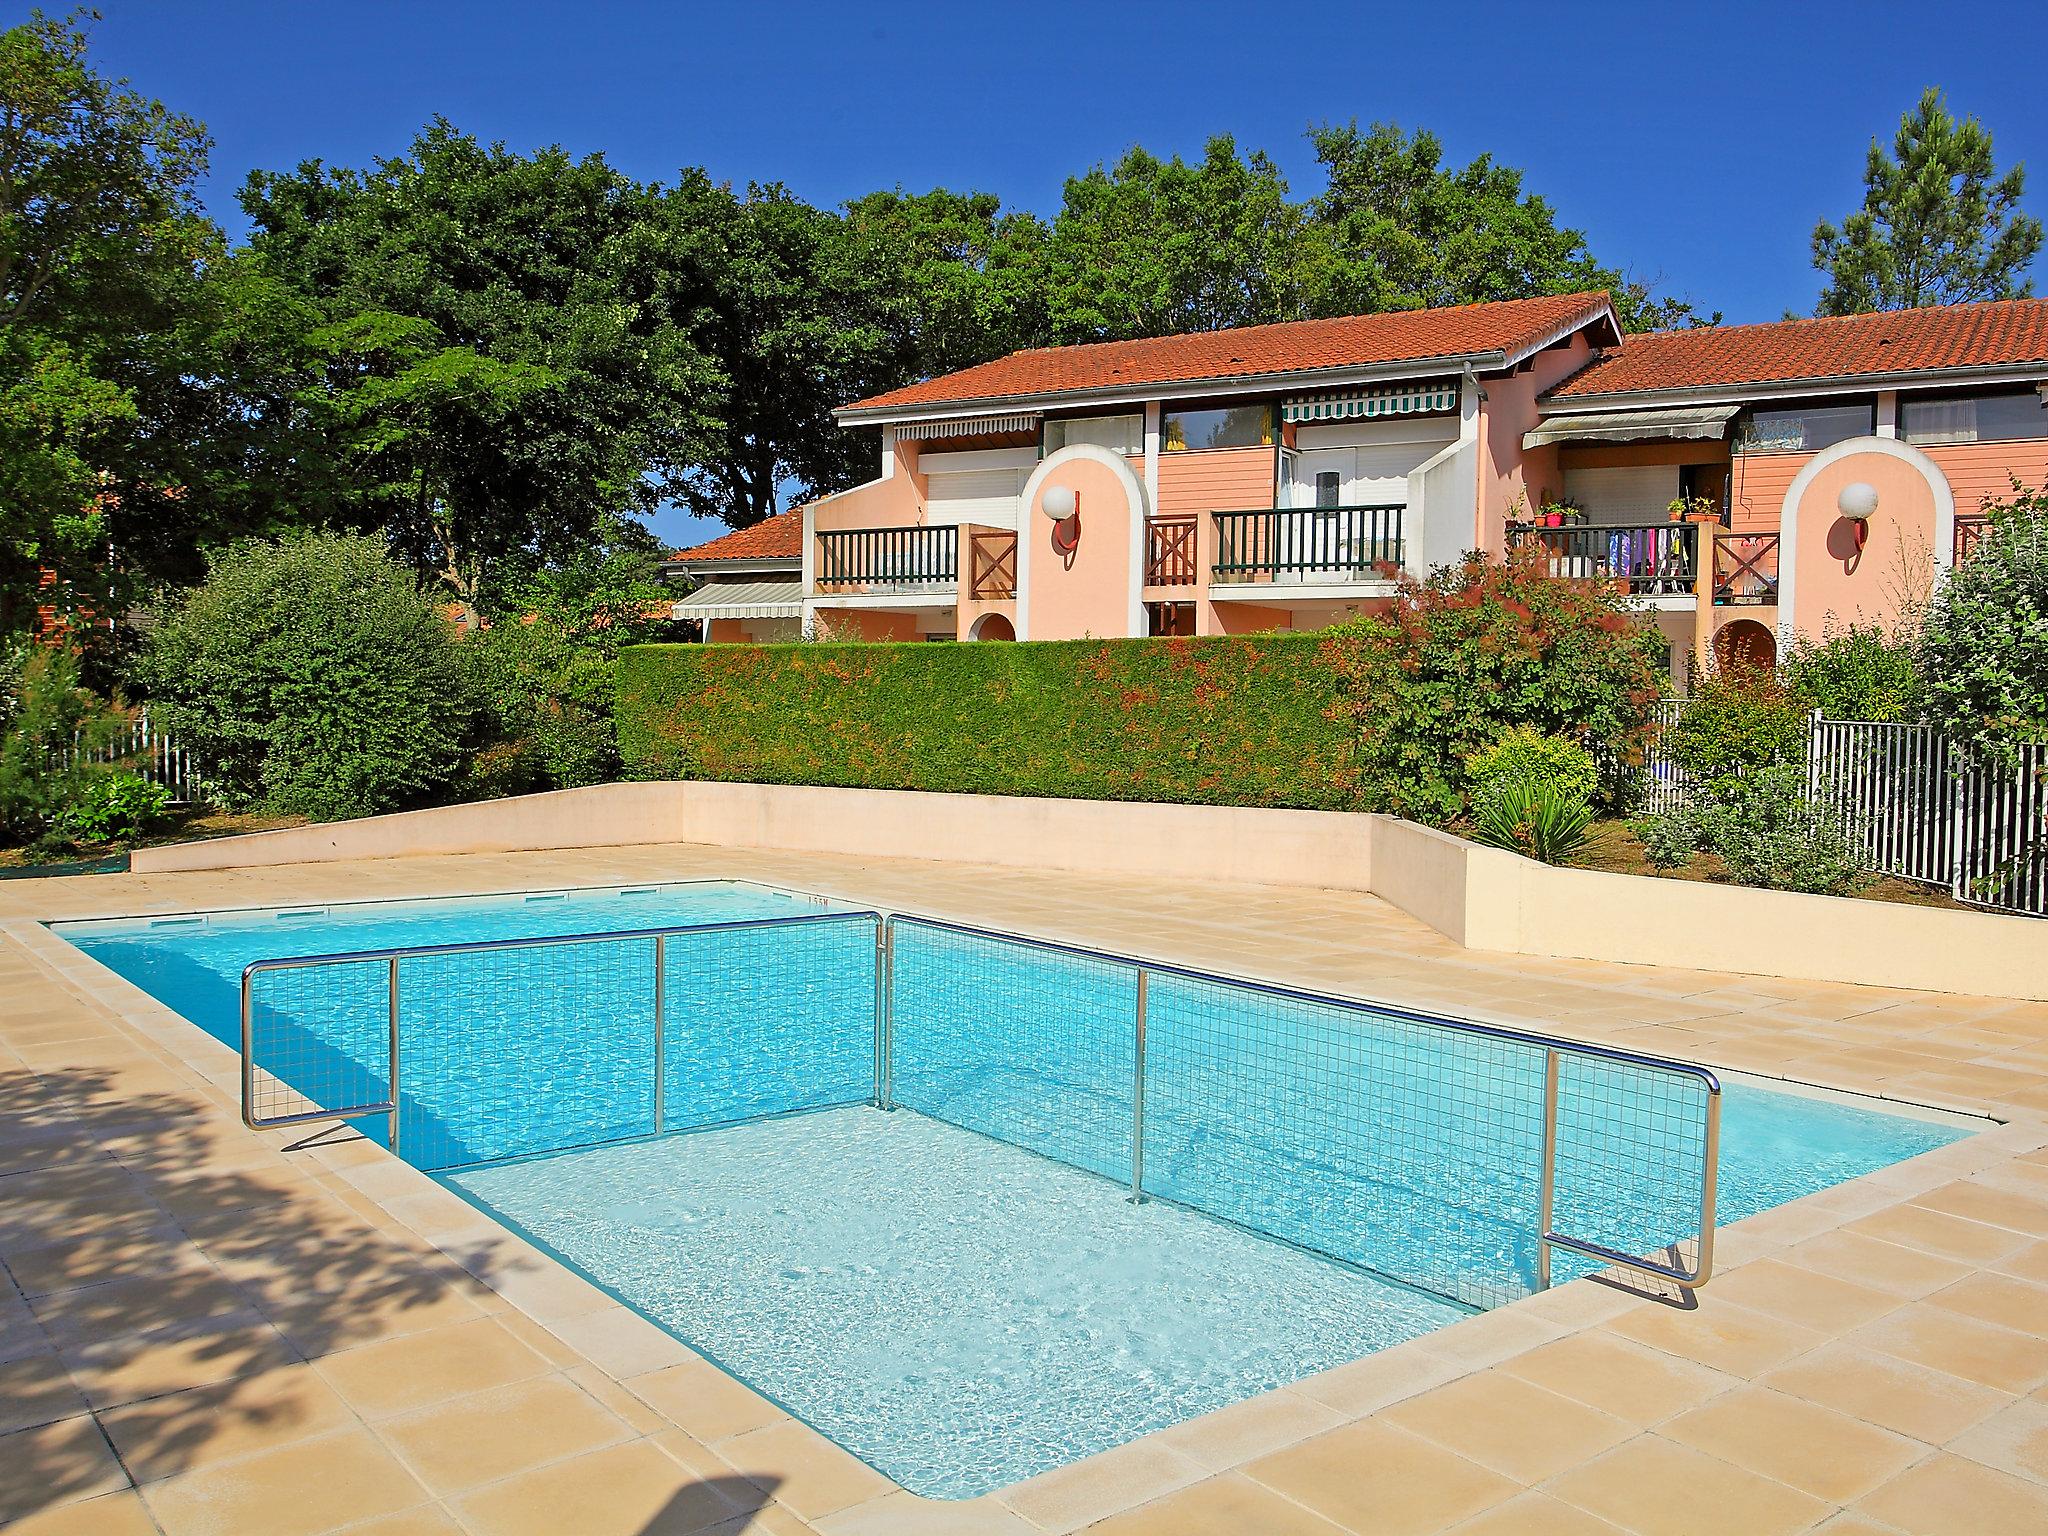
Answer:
[(1483, 645)]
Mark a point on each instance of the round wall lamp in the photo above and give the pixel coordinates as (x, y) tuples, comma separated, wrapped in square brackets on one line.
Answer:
[(1857, 502), (1062, 503)]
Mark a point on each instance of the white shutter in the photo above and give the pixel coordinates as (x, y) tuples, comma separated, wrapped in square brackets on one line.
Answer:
[(1638, 494), (985, 496), (1383, 470)]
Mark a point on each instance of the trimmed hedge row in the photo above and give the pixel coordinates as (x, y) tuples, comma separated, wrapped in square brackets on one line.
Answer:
[(1223, 720)]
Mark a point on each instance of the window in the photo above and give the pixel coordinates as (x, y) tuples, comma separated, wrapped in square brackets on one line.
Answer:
[(1802, 428), (1235, 426), (1329, 486), (1119, 434), (1974, 418)]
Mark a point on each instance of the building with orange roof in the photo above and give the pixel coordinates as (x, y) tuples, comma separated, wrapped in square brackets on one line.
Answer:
[(1740, 484)]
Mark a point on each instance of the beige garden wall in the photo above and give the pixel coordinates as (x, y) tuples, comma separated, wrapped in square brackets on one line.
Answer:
[(1479, 897)]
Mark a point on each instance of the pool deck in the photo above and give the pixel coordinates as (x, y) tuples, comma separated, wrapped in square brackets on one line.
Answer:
[(209, 1330)]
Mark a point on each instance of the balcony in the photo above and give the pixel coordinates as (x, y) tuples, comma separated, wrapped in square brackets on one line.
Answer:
[(1649, 559), (1170, 559), (1307, 546), (915, 560), (1970, 527), (1745, 570), (991, 564)]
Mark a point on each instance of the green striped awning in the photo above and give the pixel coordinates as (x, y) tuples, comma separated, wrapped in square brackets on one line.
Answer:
[(1394, 400)]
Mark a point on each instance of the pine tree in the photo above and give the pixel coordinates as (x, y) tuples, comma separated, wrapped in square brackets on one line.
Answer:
[(1937, 226)]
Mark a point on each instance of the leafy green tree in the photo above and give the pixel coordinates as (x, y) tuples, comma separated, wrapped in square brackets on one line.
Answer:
[(1984, 642), (1938, 224), (312, 676), (100, 241), (1407, 231), (1152, 247), (1857, 672), (502, 354)]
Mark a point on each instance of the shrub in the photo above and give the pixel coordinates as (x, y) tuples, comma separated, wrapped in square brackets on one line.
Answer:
[(1984, 643), (1480, 646), (1532, 816), (1766, 829), (1221, 720), (313, 677), (1856, 672), (113, 807), (546, 703), (1521, 753), (1670, 838), (1737, 720), (45, 715)]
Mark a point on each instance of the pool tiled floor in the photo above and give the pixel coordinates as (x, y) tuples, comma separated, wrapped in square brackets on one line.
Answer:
[(207, 1330)]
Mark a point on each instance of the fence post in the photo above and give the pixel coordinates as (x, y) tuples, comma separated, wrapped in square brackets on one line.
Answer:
[(660, 1025), (392, 1024), (1138, 1097), (885, 1007)]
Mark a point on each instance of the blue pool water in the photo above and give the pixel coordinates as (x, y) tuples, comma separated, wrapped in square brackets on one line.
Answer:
[(960, 1291)]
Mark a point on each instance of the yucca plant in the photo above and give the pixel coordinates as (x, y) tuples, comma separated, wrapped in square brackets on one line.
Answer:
[(1533, 817)]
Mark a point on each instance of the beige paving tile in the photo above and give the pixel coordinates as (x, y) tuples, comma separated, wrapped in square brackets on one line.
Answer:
[(1109, 1483), (625, 1490), (1801, 1443), (1718, 1334), (1536, 1514), (2014, 1440), (1885, 1390), (1619, 1376), (802, 1468), (310, 1486), (54, 1465), (1222, 1506), (697, 1396), (401, 1374), (1937, 1232), (122, 1370), (1363, 1386), (1375, 1477), (1656, 1487), (140, 1304), (1962, 1346), (621, 1341), (162, 1436), (1881, 1266), (36, 1389), (1256, 1426), (111, 1514), (905, 1514), (1947, 1494), (468, 1441), (1513, 1426), (1800, 1295), (2002, 1299), (1975, 1201)]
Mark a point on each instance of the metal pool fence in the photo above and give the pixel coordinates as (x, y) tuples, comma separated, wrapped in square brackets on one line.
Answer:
[(1468, 1160)]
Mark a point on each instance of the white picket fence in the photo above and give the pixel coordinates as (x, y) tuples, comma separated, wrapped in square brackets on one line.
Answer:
[(1921, 810), (141, 748)]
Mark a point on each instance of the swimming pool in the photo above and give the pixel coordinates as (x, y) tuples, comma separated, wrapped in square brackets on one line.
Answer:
[(905, 1209)]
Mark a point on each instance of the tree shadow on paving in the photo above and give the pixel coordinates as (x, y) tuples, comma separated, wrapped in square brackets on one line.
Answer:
[(152, 1248)]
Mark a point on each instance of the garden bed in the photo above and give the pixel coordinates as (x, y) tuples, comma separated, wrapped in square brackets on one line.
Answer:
[(187, 827), (1612, 848)]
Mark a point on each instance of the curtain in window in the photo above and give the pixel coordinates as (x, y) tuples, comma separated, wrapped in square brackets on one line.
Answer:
[(1941, 421)]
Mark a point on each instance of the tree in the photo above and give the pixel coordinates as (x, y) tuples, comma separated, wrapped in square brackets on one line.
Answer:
[(1938, 224), (312, 676), (1408, 232), (100, 242), (1984, 641), (1153, 247), (502, 352)]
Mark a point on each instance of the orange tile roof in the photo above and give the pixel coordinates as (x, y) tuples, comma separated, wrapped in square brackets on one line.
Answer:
[(1402, 336), (1851, 346), (776, 538)]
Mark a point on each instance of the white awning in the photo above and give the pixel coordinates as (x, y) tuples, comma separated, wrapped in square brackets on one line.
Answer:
[(1629, 426), (1409, 399), (743, 600), (970, 426)]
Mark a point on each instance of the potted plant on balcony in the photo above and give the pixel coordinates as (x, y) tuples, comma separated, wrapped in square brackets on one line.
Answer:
[(1694, 509), (1519, 518)]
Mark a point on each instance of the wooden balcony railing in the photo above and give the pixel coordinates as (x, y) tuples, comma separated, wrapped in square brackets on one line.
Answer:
[(1970, 527), (991, 564), (1653, 559), (1307, 544), (1170, 551), (1745, 570), (888, 559)]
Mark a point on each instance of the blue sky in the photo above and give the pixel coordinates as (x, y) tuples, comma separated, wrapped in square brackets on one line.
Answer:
[(1695, 144)]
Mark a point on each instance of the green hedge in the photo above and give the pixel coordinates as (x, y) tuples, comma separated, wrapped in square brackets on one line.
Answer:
[(1222, 720)]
